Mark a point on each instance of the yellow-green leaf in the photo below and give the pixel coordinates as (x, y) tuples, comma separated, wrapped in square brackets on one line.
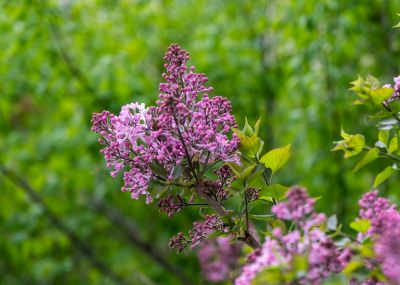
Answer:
[(351, 145), (276, 158), (383, 137), (370, 156), (352, 266), (257, 127), (361, 225), (384, 175), (381, 94), (393, 145)]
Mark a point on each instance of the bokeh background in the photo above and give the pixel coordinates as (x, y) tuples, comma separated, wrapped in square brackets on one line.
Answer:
[(63, 219)]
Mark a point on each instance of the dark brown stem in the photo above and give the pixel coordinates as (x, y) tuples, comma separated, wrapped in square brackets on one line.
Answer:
[(186, 150), (221, 211), (389, 109)]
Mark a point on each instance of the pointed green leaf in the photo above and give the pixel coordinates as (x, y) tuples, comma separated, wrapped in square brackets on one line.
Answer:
[(276, 191), (276, 158), (370, 156), (247, 171), (261, 217), (384, 175), (383, 137), (257, 127), (352, 266), (251, 146), (381, 94), (361, 225), (247, 130), (237, 170), (393, 145)]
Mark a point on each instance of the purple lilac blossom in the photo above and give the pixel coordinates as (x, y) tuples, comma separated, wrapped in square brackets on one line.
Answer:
[(185, 124), (384, 231), (323, 256), (200, 231)]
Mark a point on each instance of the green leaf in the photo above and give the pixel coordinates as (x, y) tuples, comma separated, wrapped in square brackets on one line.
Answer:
[(370, 156), (276, 158), (380, 115), (361, 225), (247, 130), (383, 137), (300, 265), (381, 94), (246, 172), (261, 217), (237, 169), (393, 145), (351, 145), (257, 127), (352, 266), (384, 175), (369, 91), (270, 275), (251, 146), (276, 191)]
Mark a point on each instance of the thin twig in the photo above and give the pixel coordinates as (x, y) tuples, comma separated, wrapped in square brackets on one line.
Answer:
[(150, 250), (77, 243)]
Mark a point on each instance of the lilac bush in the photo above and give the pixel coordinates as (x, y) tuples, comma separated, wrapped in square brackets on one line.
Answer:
[(187, 151)]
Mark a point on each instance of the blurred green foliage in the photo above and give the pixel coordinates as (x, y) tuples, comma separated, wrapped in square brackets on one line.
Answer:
[(60, 61)]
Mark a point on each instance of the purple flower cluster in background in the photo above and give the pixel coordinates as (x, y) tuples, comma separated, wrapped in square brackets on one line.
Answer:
[(307, 240), (186, 127), (218, 258), (385, 231)]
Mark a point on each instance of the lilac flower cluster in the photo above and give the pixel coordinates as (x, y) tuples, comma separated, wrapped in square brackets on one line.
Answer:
[(171, 204), (186, 127), (252, 194), (218, 258), (385, 231), (279, 250), (201, 230)]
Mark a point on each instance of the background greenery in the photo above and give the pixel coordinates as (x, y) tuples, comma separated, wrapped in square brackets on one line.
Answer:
[(60, 61)]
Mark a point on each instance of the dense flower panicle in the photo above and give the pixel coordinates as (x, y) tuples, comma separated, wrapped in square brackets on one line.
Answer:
[(387, 248), (179, 242), (323, 256), (366, 282), (297, 207), (384, 231), (200, 231), (372, 206), (218, 258), (252, 194), (171, 204), (185, 127), (271, 254)]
